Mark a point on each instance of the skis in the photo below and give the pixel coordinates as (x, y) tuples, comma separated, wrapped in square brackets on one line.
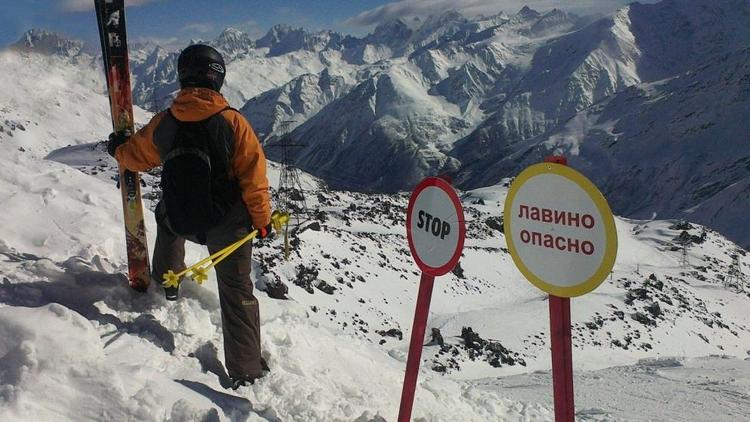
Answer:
[(110, 15)]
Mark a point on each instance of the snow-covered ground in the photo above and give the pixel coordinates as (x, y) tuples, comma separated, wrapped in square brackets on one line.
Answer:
[(660, 340), (715, 388)]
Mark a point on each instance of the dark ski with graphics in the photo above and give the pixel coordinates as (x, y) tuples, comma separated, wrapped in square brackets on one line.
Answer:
[(110, 15)]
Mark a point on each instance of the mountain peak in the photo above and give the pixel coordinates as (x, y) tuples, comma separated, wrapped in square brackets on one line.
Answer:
[(528, 13), (282, 39), (278, 34), (436, 26), (451, 15), (233, 42), (47, 42), (392, 33), (231, 32), (389, 25), (280, 30)]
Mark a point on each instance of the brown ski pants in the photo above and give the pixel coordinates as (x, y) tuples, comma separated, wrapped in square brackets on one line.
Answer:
[(239, 308)]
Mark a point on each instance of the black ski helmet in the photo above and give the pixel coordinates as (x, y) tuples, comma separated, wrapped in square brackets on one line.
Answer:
[(201, 66)]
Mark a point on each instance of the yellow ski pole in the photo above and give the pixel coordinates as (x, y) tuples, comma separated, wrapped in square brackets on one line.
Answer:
[(172, 280), (200, 273)]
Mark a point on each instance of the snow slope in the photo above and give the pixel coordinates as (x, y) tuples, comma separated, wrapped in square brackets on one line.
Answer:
[(147, 359)]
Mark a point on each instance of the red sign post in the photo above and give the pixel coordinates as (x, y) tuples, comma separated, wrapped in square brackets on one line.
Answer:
[(415, 346), (562, 345), (562, 237), (436, 231), (562, 358)]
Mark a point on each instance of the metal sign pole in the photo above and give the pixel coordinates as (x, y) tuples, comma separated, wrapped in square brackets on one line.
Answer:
[(436, 230), (562, 358), (415, 346), (562, 237), (562, 346)]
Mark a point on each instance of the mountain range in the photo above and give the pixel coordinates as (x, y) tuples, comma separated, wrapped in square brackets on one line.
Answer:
[(648, 101)]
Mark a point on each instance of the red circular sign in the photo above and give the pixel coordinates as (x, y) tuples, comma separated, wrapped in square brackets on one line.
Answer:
[(435, 226)]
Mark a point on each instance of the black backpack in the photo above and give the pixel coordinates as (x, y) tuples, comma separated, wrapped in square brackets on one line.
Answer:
[(197, 192)]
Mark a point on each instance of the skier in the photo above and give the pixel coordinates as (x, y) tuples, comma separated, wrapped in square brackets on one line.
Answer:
[(214, 191)]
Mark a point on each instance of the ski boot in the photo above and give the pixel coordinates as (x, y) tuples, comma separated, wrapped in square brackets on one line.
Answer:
[(171, 285), (241, 380), (171, 293)]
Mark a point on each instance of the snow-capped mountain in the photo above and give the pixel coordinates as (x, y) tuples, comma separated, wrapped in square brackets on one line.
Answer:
[(232, 43), (684, 131), (676, 96), (639, 43), (155, 78), (379, 135), (283, 39), (449, 94), (294, 102), (45, 42), (410, 109)]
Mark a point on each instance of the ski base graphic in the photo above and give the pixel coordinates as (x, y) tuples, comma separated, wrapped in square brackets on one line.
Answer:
[(111, 19)]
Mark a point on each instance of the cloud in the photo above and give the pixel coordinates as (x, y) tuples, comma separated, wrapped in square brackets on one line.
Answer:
[(408, 8), (252, 28), (86, 5), (168, 43), (200, 28)]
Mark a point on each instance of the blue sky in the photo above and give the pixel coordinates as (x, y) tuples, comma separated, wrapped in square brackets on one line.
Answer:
[(176, 21)]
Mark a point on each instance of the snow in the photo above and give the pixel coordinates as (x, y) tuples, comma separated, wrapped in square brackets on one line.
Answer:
[(654, 389), (252, 75), (77, 344), (569, 138)]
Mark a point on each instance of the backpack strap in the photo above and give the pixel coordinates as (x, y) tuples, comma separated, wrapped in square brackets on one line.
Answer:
[(227, 108), (169, 110), (197, 152), (222, 110)]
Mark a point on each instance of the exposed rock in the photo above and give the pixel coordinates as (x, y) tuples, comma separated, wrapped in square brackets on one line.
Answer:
[(393, 332)]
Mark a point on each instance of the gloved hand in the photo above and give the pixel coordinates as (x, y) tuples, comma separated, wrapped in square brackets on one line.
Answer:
[(265, 232), (116, 139)]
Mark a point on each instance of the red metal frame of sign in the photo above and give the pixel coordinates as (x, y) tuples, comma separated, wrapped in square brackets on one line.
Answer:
[(448, 189)]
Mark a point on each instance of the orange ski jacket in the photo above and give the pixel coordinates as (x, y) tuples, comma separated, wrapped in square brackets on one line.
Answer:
[(248, 164)]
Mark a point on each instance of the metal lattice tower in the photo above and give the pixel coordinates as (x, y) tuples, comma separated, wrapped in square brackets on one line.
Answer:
[(684, 241), (684, 262), (735, 273), (290, 197)]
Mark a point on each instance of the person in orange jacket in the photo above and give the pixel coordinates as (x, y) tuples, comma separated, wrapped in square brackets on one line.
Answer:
[(214, 191)]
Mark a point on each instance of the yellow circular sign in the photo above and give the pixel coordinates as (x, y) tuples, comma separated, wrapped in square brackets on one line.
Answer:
[(560, 230)]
